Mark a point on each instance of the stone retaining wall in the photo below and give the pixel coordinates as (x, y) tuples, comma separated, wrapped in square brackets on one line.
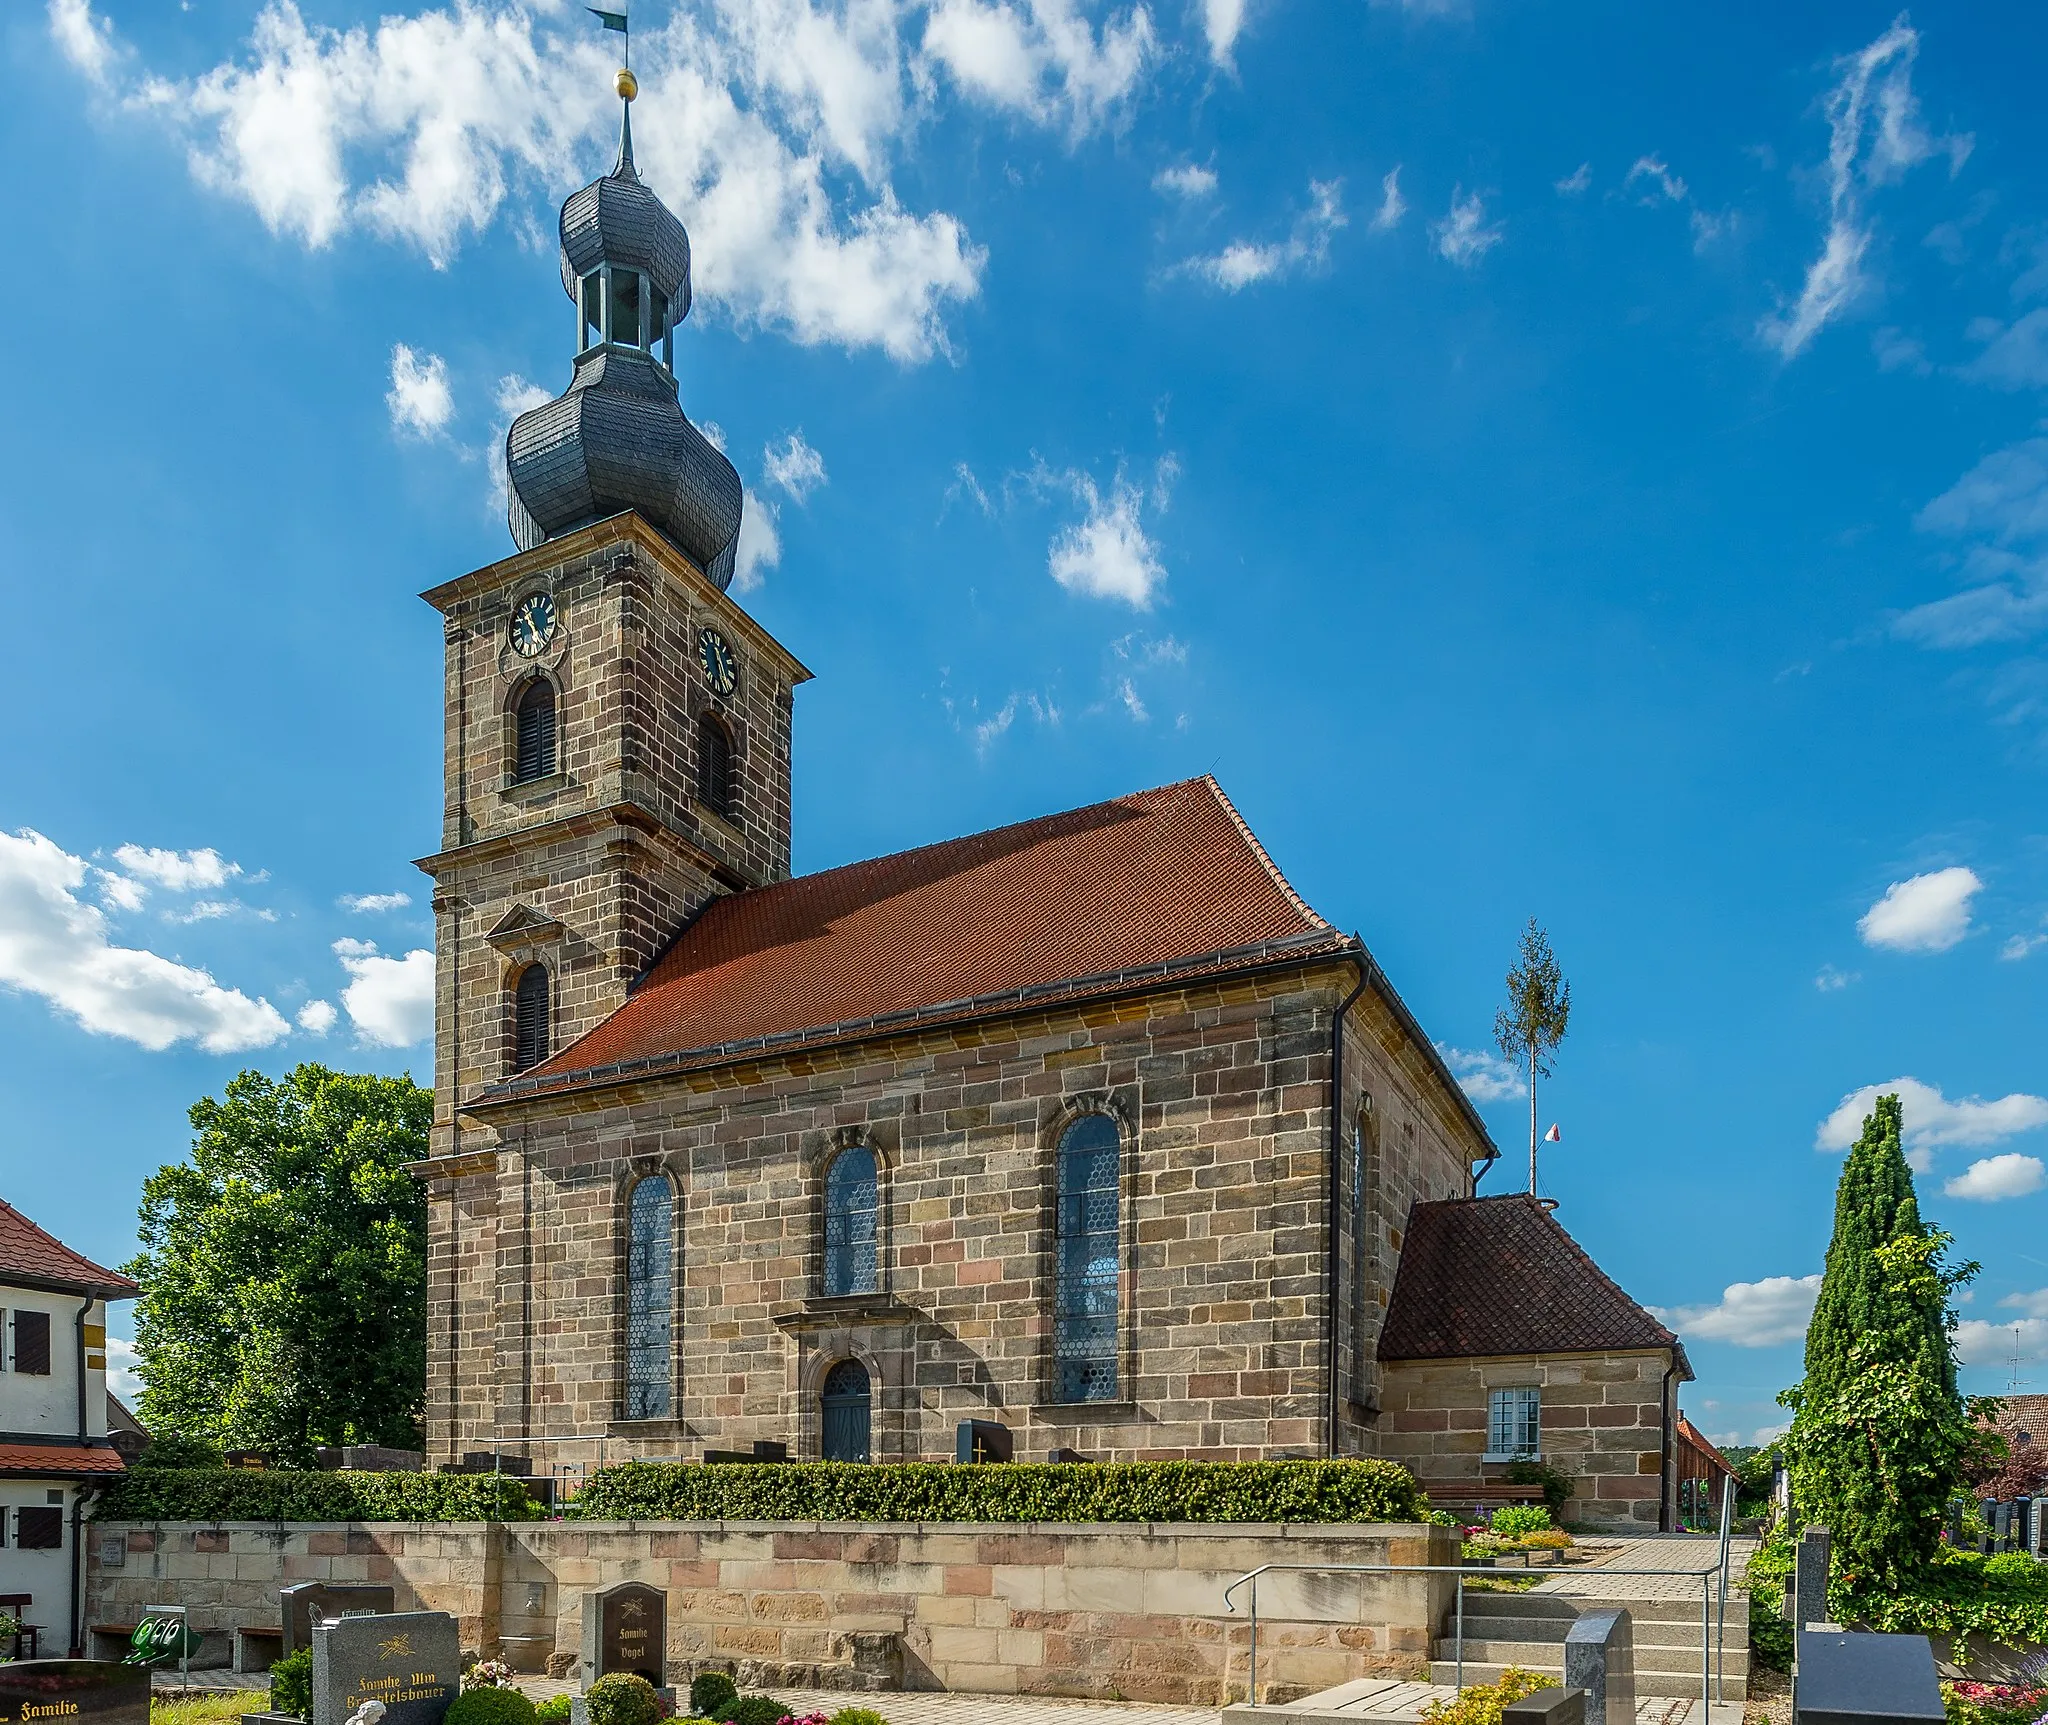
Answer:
[(1132, 1611)]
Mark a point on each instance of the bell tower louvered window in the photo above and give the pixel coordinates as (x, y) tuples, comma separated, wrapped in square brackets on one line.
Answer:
[(530, 1018), (535, 718), (714, 766), (1088, 1279), (650, 1298)]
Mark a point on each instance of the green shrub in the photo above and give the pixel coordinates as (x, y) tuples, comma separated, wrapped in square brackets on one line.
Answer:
[(1770, 1640), (1512, 1520), (490, 1706), (2012, 1566), (856, 1716), (291, 1684), (758, 1710), (554, 1710), (1481, 1703), (174, 1449), (709, 1691), (1557, 1487), (244, 1494), (623, 1698), (1172, 1491)]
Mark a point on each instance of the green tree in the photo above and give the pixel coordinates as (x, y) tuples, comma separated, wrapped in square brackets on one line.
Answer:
[(1879, 1435), (283, 1267), (1532, 1024)]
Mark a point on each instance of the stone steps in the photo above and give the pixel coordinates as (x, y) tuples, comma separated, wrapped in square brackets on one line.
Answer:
[(1550, 1655), (1552, 1630), (1734, 1684), (1528, 1630)]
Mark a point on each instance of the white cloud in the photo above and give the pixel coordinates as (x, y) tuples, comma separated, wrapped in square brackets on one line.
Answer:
[(1576, 181), (213, 909), (1930, 1119), (390, 1001), (760, 546), (317, 1017), (1186, 181), (2004, 497), (1222, 20), (176, 871), (1482, 1075), (1107, 554), (118, 892), (2022, 946), (1463, 236), (794, 465), (87, 43), (1764, 1314), (422, 128), (1995, 1177), (55, 946), (1306, 247), (1392, 205), (374, 902), (1928, 913), (1979, 1343), (122, 1377), (1829, 980), (515, 395), (1043, 59), (2002, 503), (2015, 356), (1661, 178), (420, 401), (1874, 136), (1127, 692)]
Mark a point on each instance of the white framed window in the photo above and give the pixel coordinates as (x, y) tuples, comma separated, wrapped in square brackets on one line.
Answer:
[(1513, 1425)]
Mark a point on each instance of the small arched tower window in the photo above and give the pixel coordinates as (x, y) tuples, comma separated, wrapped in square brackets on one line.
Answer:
[(650, 1297), (530, 1018), (852, 1209), (534, 717), (714, 766), (1088, 1281)]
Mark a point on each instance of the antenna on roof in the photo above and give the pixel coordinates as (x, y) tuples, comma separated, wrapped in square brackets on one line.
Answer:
[(2014, 1383)]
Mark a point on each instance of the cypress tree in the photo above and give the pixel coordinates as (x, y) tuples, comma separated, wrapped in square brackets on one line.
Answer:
[(1878, 1432)]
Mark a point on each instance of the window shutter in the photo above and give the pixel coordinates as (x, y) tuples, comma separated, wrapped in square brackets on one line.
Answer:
[(714, 767), (39, 1529), (32, 1343), (530, 1018), (536, 732)]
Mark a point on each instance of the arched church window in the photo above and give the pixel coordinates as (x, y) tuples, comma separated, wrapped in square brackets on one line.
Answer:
[(650, 1298), (530, 1005), (1088, 1248), (852, 1211), (534, 721), (714, 766)]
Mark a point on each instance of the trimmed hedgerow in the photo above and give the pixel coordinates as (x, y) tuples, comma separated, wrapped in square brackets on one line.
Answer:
[(245, 1494), (1256, 1491)]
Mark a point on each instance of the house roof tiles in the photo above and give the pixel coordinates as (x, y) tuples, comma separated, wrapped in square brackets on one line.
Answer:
[(57, 1461), (1491, 1276), (30, 1257)]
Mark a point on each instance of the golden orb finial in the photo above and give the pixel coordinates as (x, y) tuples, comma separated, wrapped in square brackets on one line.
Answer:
[(626, 84)]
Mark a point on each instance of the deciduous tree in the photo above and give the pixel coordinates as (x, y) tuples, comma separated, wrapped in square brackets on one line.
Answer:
[(1532, 1024)]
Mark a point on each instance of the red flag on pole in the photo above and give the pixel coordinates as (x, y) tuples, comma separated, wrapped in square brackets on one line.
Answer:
[(1553, 1136)]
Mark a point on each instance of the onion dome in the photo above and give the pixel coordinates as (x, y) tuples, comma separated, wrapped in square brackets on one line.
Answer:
[(617, 438)]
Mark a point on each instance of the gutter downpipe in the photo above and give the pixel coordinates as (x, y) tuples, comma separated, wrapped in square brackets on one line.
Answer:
[(84, 1310), (1367, 970), (1664, 1469), (85, 1494)]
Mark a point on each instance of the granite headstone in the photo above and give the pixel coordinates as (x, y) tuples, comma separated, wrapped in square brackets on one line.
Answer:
[(1599, 1657), (625, 1628), (409, 1660), (90, 1691), (304, 1603)]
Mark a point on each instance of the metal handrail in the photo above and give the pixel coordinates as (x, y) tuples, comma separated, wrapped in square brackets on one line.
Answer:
[(1705, 1577)]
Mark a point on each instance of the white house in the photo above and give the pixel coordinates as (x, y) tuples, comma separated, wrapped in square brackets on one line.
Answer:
[(55, 1452)]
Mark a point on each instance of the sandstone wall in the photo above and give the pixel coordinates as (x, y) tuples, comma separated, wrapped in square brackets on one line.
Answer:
[(1108, 1611)]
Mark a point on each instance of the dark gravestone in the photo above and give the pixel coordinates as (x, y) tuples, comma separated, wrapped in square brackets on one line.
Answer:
[(1810, 1578), (306, 1602), (410, 1660), (1547, 1707), (1600, 1658), (1857, 1679), (91, 1691), (625, 1628)]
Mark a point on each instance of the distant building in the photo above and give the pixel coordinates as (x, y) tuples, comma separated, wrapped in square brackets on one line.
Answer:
[(1089, 1125), (55, 1448)]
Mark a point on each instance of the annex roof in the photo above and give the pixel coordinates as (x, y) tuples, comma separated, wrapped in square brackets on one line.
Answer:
[(1167, 883), (31, 1258), (1489, 1276), (1690, 1434), (57, 1461)]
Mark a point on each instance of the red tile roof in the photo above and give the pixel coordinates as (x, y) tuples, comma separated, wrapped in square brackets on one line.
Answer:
[(1690, 1436), (56, 1461), (1168, 881), (39, 1259), (1487, 1276)]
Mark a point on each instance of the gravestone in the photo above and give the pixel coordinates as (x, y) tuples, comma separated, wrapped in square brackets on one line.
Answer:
[(625, 1628), (1810, 1578), (1865, 1679), (409, 1660), (89, 1691), (306, 1602), (1548, 1707), (1600, 1658)]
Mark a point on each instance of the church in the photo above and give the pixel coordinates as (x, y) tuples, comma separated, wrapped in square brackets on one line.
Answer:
[(1087, 1125)]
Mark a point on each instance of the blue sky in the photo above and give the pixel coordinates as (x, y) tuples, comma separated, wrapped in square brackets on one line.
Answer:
[(1583, 462)]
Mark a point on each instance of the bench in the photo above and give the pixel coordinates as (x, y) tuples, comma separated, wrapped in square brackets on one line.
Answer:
[(1459, 1495), (121, 1634), (257, 1647), (15, 1605)]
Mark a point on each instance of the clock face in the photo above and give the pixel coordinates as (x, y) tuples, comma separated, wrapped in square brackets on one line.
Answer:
[(720, 667), (533, 625)]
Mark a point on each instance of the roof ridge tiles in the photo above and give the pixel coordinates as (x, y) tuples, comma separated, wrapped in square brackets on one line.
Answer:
[(1259, 850)]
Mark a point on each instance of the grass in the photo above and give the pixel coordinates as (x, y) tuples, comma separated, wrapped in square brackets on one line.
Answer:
[(221, 1708)]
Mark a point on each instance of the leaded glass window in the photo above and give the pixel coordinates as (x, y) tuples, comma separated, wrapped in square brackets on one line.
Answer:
[(1513, 1425), (852, 1211), (650, 1298), (1087, 1278)]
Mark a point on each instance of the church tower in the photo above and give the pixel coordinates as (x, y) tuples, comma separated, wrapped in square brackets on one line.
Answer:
[(617, 729)]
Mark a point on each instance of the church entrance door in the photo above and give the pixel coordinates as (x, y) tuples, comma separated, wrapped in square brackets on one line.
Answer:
[(847, 1405)]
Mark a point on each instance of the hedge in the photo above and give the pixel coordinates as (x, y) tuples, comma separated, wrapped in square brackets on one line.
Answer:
[(1257, 1491), (246, 1494)]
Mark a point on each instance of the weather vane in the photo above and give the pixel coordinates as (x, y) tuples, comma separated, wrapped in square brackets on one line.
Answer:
[(627, 85)]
